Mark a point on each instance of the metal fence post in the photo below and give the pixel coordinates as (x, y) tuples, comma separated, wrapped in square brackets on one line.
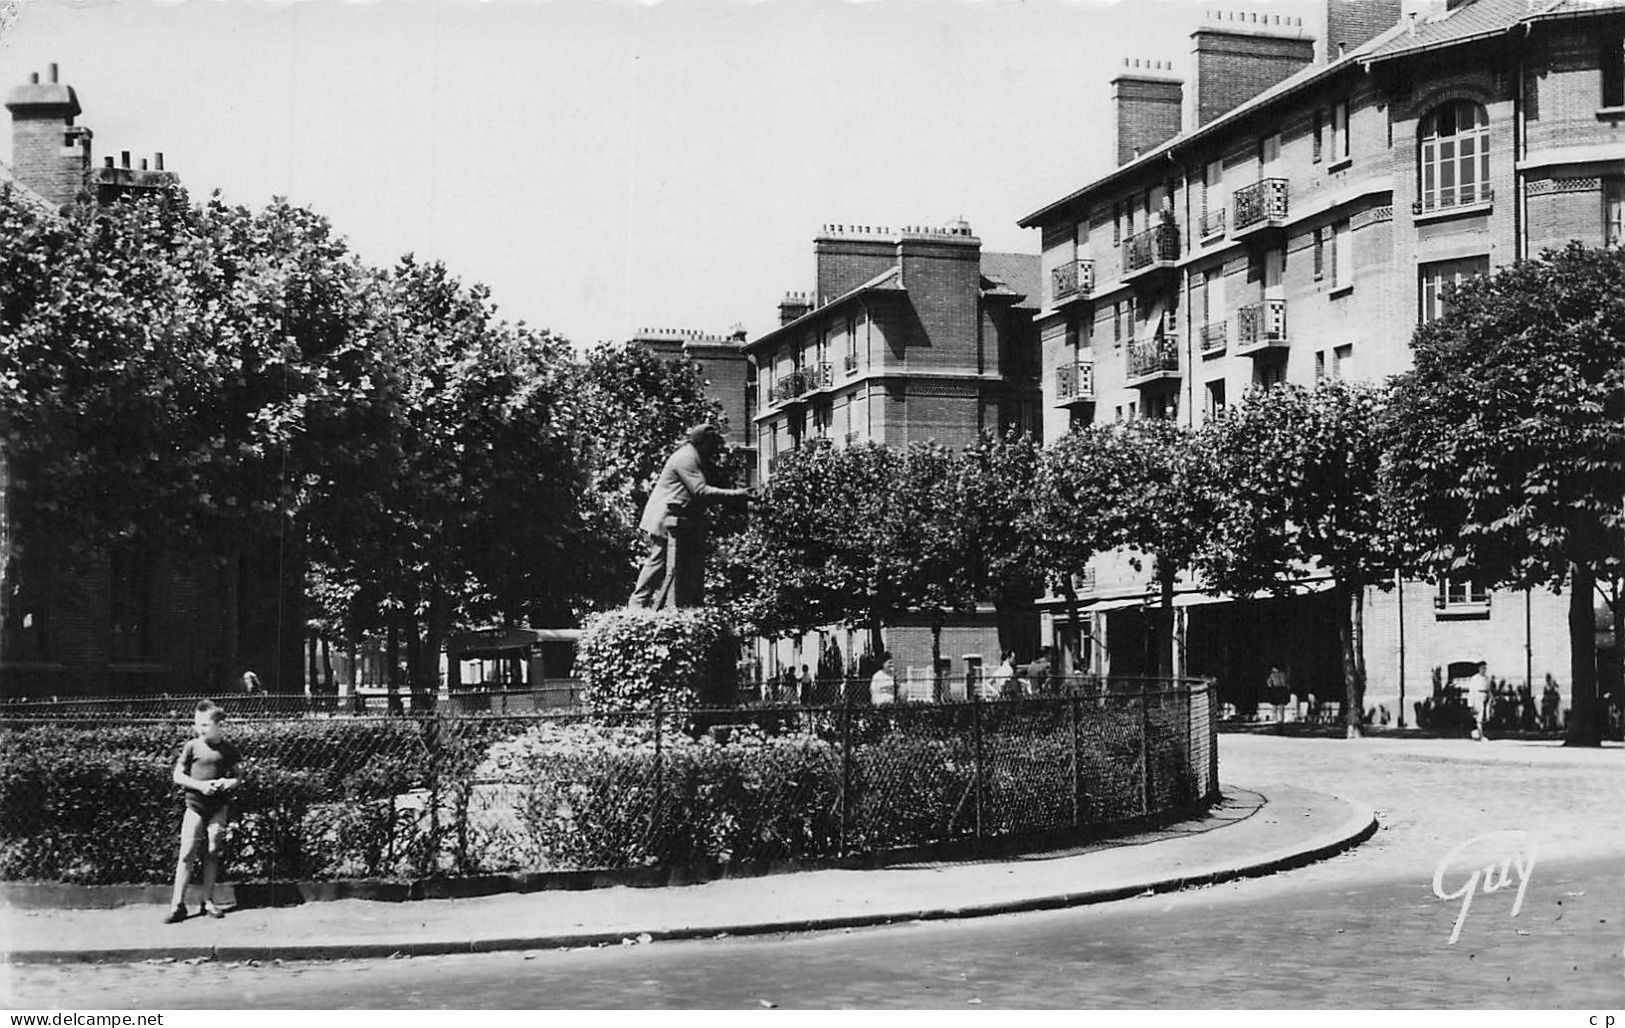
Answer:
[(1145, 748), (976, 757), (1077, 769), (846, 774)]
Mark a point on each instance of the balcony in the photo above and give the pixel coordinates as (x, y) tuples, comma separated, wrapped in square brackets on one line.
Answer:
[(1215, 336), (1261, 327), (1258, 207), (1212, 223), (1075, 383), (1451, 199), (1072, 281), (850, 363), (1153, 360), (1155, 249), (819, 376)]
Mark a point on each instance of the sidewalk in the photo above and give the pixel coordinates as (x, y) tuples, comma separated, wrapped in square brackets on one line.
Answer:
[(1251, 832)]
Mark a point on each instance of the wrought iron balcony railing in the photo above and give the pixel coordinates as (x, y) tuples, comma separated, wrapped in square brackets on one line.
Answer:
[(820, 376), (1153, 356), (1262, 204), (1154, 248), (1075, 382), (1261, 324), (1215, 334), (1450, 197), (1072, 280), (1213, 223), (851, 363)]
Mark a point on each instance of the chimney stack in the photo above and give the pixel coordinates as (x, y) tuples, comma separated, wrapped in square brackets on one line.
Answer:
[(48, 153), (793, 306), (1353, 23), (1148, 100), (1243, 53)]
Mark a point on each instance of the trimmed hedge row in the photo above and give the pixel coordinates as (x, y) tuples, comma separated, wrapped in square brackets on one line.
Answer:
[(330, 798)]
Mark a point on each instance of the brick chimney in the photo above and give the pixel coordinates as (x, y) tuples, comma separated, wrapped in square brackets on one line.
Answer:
[(1242, 53), (850, 255), (1147, 100), (49, 154), (793, 306), (1352, 23)]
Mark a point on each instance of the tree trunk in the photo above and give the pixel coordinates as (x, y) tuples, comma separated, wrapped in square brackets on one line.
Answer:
[(1163, 632), (1585, 728), (392, 665), (1072, 639), (1359, 648), (1346, 599)]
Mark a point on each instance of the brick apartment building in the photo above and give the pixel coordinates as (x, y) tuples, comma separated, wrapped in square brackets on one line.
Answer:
[(907, 336), (133, 621), (1293, 212), (728, 374)]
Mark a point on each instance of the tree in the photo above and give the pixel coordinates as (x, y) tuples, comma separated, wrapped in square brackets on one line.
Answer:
[(998, 481), (1508, 439), (1297, 486), (1137, 485), (476, 507), (859, 535), (173, 377)]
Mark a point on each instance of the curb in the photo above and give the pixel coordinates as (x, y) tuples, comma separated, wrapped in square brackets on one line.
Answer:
[(1359, 826)]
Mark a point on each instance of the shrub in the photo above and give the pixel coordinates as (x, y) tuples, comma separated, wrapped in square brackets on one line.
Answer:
[(635, 659), (95, 804)]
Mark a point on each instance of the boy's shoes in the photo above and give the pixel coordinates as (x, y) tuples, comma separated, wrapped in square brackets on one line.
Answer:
[(211, 909), (176, 915)]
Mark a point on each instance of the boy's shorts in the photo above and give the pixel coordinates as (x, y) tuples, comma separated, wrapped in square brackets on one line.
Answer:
[(207, 807)]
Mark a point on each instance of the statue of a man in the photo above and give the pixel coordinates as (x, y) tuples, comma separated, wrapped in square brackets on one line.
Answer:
[(671, 522)]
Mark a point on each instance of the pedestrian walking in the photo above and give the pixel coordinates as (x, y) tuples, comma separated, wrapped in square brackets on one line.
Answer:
[(1475, 690), (882, 686), (1550, 700), (804, 687), (207, 771), (995, 685), (1276, 692)]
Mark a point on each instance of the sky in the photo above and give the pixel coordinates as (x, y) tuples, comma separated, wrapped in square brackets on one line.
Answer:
[(605, 166)]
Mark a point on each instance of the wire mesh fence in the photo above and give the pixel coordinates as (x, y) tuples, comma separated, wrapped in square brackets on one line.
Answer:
[(86, 794)]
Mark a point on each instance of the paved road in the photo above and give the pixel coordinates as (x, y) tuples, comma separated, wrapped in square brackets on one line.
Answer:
[(1362, 930)]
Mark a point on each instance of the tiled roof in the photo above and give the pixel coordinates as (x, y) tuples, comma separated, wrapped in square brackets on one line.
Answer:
[(1469, 21), (28, 196), (1483, 18), (1016, 271)]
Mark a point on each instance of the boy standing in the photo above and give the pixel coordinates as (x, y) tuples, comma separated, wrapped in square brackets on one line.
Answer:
[(207, 771)]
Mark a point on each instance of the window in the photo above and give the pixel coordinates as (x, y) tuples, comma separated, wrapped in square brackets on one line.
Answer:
[(1439, 278), (1339, 132), (1320, 365), (1343, 361), (1454, 159), (1613, 73), (1270, 374), (1320, 254), (1613, 211), (1342, 256), (1215, 398), (1461, 593), (851, 343), (1315, 139), (1162, 405), (1117, 223)]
